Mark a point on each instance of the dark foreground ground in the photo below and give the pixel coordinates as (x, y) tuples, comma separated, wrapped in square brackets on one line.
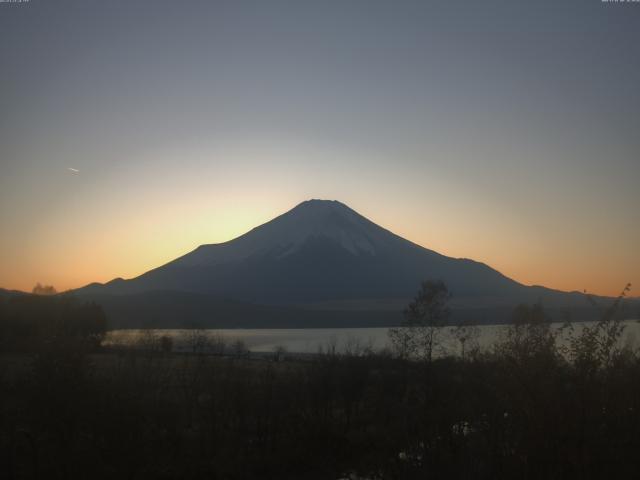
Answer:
[(521, 412)]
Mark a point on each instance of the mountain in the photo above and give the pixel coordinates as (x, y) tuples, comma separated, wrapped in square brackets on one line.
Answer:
[(4, 293), (318, 251), (320, 260)]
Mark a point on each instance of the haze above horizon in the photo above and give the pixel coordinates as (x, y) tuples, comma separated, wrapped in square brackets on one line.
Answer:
[(504, 132)]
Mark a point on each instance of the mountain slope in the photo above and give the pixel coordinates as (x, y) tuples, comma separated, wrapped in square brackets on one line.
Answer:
[(318, 251), (321, 255)]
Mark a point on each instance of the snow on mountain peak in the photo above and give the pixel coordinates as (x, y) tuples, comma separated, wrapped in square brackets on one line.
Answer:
[(310, 220)]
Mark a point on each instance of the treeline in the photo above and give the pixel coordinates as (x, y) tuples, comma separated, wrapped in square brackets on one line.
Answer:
[(32, 323), (530, 408), (522, 411)]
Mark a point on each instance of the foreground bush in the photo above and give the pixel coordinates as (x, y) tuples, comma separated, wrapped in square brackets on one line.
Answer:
[(198, 416)]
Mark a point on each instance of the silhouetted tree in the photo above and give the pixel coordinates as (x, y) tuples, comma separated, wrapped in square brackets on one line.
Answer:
[(166, 344), (279, 352), (529, 335), (44, 289), (197, 341), (467, 335), (239, 348), (423, 318), (596, 346)]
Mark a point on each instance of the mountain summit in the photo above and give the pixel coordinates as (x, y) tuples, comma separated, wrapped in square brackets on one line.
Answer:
[(319, 254), (310, 221)]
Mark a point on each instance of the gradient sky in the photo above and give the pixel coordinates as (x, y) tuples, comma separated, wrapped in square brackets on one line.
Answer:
[(503, 131)]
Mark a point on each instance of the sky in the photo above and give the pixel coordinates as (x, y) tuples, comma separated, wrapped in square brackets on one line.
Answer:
[(503, 131)]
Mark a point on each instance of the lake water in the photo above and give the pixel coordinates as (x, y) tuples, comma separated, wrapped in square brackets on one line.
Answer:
[(313, 340)]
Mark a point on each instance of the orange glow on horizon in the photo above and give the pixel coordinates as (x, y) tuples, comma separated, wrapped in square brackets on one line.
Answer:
[(102, 253)]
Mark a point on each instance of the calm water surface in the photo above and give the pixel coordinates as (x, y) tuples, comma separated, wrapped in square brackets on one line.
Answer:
[(312, 340)]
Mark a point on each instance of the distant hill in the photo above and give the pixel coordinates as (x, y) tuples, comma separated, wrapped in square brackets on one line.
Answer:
[(9, 293), (319, 264)]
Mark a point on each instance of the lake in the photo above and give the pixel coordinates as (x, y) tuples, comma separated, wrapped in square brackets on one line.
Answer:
[(313, 340)]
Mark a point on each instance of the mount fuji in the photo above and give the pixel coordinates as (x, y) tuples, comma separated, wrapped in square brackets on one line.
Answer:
[(319, 264)]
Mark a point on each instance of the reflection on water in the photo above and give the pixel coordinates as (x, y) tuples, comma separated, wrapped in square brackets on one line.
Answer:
[(312, 340)]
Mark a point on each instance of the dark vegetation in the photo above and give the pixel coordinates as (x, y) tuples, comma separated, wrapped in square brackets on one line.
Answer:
[(42, 322), (528, 409)]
